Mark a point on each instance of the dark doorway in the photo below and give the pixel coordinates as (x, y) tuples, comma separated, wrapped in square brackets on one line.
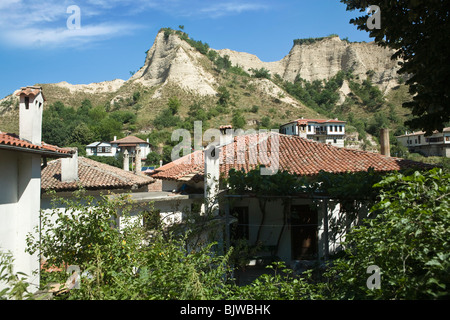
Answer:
[(239, 230), (304, 239)]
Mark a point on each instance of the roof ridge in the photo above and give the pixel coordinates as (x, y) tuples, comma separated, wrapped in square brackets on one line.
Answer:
[(100, 166), (92, 175), (299, 155)]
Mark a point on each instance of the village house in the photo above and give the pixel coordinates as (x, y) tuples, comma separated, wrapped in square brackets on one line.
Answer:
[(62, 177), (306, 235), (21, 157), (113, 148), (436, 144), (100, 149), (330, 131)]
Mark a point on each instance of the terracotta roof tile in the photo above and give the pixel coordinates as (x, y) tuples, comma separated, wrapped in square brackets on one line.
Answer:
[(129, 139), (297, 155), (92, 175), (11, 139), (303, 121), (30, 91)]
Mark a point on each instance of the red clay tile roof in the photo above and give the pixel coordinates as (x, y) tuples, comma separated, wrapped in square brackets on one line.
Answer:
[(129, 140), (303, 121), (11, 139), (30, 91), (297, 155), (92, 175)]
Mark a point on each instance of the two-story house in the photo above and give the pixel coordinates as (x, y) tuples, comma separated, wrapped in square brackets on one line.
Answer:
[(437, 144), (330, 131), (113, 148), (308, 233)]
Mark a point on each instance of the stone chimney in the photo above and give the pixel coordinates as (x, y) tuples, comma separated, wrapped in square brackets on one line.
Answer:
[(69, 167), (301, 127), (384, 142), (138, 160), (31, 106), (126, 160)]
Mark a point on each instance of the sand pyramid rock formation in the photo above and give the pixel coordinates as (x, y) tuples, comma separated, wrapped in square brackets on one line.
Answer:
[(172, 59), (322, 59)]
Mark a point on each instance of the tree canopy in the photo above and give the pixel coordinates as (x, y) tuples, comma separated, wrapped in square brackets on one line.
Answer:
[(419, 32)]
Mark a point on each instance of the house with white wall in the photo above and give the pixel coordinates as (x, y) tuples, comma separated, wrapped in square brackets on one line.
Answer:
[(331, 131), (21, 157), (113, 148), (436, 144), (101, 149), (307, 234), (62, 177)]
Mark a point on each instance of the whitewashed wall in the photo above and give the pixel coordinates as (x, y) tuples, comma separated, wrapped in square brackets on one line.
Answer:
[(20, 184)]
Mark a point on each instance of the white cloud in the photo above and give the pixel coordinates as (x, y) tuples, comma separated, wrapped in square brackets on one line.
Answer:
[(44, 23), (26, 23), (8, 3), (64, 37), (225, 8)]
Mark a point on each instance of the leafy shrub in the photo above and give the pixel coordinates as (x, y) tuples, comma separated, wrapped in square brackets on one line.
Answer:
[(254, 109), (407, 239), (125, 263), (15, 284), (261, 73), (238, 120)]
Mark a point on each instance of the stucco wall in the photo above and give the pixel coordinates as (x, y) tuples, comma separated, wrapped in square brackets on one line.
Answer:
[(329, 240), (19, 208)]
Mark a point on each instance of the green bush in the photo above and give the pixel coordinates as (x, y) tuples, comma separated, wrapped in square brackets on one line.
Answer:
[(238, 120), (125, 264), (261, 73), (407, 239), (16, 285), (168, 117), (254, 109)]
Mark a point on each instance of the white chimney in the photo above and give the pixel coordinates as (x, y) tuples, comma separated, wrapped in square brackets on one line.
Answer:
[(126, 161), (31, 106), (211, 179), (69, 167)]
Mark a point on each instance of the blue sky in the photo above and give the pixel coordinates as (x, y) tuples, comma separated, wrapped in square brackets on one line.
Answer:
[(36, 45)]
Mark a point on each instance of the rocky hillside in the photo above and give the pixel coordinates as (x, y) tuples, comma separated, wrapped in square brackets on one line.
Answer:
[(322, 58), (178, 66)]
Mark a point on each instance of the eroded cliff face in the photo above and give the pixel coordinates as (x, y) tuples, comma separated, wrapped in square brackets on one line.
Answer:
[(324, 58), (172, 59)]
